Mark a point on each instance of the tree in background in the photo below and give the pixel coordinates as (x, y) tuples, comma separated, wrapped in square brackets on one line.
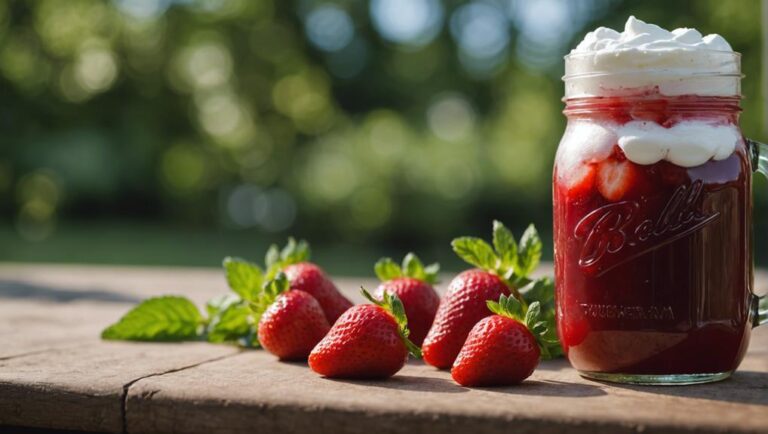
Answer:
[(356, 120)]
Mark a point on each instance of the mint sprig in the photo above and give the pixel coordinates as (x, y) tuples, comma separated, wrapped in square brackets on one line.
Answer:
[(386, 269), (508, 259), (392, 304), (230, 321), (167, 318)]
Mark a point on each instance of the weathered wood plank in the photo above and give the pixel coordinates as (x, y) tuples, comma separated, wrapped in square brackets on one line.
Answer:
[(82, 387), (254, 392), (69, 379)]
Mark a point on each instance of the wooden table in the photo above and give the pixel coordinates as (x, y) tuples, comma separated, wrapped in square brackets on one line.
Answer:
[(55, 373)]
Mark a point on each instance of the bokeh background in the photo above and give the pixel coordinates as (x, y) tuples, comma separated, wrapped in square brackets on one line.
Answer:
[(174, 132)]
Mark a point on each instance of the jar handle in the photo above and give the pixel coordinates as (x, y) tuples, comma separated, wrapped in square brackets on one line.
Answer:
[(759, 157)]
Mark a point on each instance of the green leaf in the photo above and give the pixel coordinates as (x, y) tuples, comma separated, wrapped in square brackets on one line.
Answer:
[(219, 303), (271, 290), (430, 273), (507, 306), (167, 318), (272, 258), (494, 307), (294, 252), (275, 287), (532, 315), (475, 251), (505, 245), (230, 324), (243, 277), (541, 290), (386, 269), (412, 267), (529, 252)]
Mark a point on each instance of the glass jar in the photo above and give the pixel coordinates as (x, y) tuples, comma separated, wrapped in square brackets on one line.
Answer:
[(652, 228)]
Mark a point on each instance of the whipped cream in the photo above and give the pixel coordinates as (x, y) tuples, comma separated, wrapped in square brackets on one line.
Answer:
[(647, 57), (686, 144), (639, 35)]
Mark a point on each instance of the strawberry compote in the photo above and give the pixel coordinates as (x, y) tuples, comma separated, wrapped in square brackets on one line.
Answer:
[(653, 258)]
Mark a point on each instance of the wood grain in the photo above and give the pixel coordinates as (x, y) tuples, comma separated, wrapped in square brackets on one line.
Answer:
[(55, 373)]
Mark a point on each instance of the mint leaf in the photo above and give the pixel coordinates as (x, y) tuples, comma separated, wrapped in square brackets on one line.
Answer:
[(529, 252), (475, 251), (167, 318), (230, 324), (386, 269), (505, 245), (541, 290), (243, 277), (219, 303)]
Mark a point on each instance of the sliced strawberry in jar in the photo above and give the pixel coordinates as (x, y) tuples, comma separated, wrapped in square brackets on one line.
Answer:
[(581, 181), (616, 178)]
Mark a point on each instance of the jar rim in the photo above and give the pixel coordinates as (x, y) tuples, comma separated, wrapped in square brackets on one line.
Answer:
[(673, 72)]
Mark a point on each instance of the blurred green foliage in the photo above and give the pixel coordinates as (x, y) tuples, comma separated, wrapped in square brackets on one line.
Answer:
[(386, 123)]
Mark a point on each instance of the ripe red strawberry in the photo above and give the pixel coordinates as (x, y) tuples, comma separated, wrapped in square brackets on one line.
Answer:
[(412, 283), (293, 322), (368, 341), (305, 276), (499, 272), (616, 178), (504, 348), (308, 277), (460, 309)]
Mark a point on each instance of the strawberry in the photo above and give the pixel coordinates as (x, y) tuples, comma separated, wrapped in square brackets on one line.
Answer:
[(461, 308), (305, 276), (616, 178), (503, 348), (368, 341), (499, 272), (293, 323), (581, 181), (412, 283)]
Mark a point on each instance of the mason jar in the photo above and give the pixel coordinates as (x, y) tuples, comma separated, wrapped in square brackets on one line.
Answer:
[(652, 193)]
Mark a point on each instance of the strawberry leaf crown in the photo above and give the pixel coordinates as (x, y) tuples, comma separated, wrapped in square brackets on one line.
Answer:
[(268, 294), (507, 258), (392, 304), (293, 253), (386, 269), (510, 307)]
